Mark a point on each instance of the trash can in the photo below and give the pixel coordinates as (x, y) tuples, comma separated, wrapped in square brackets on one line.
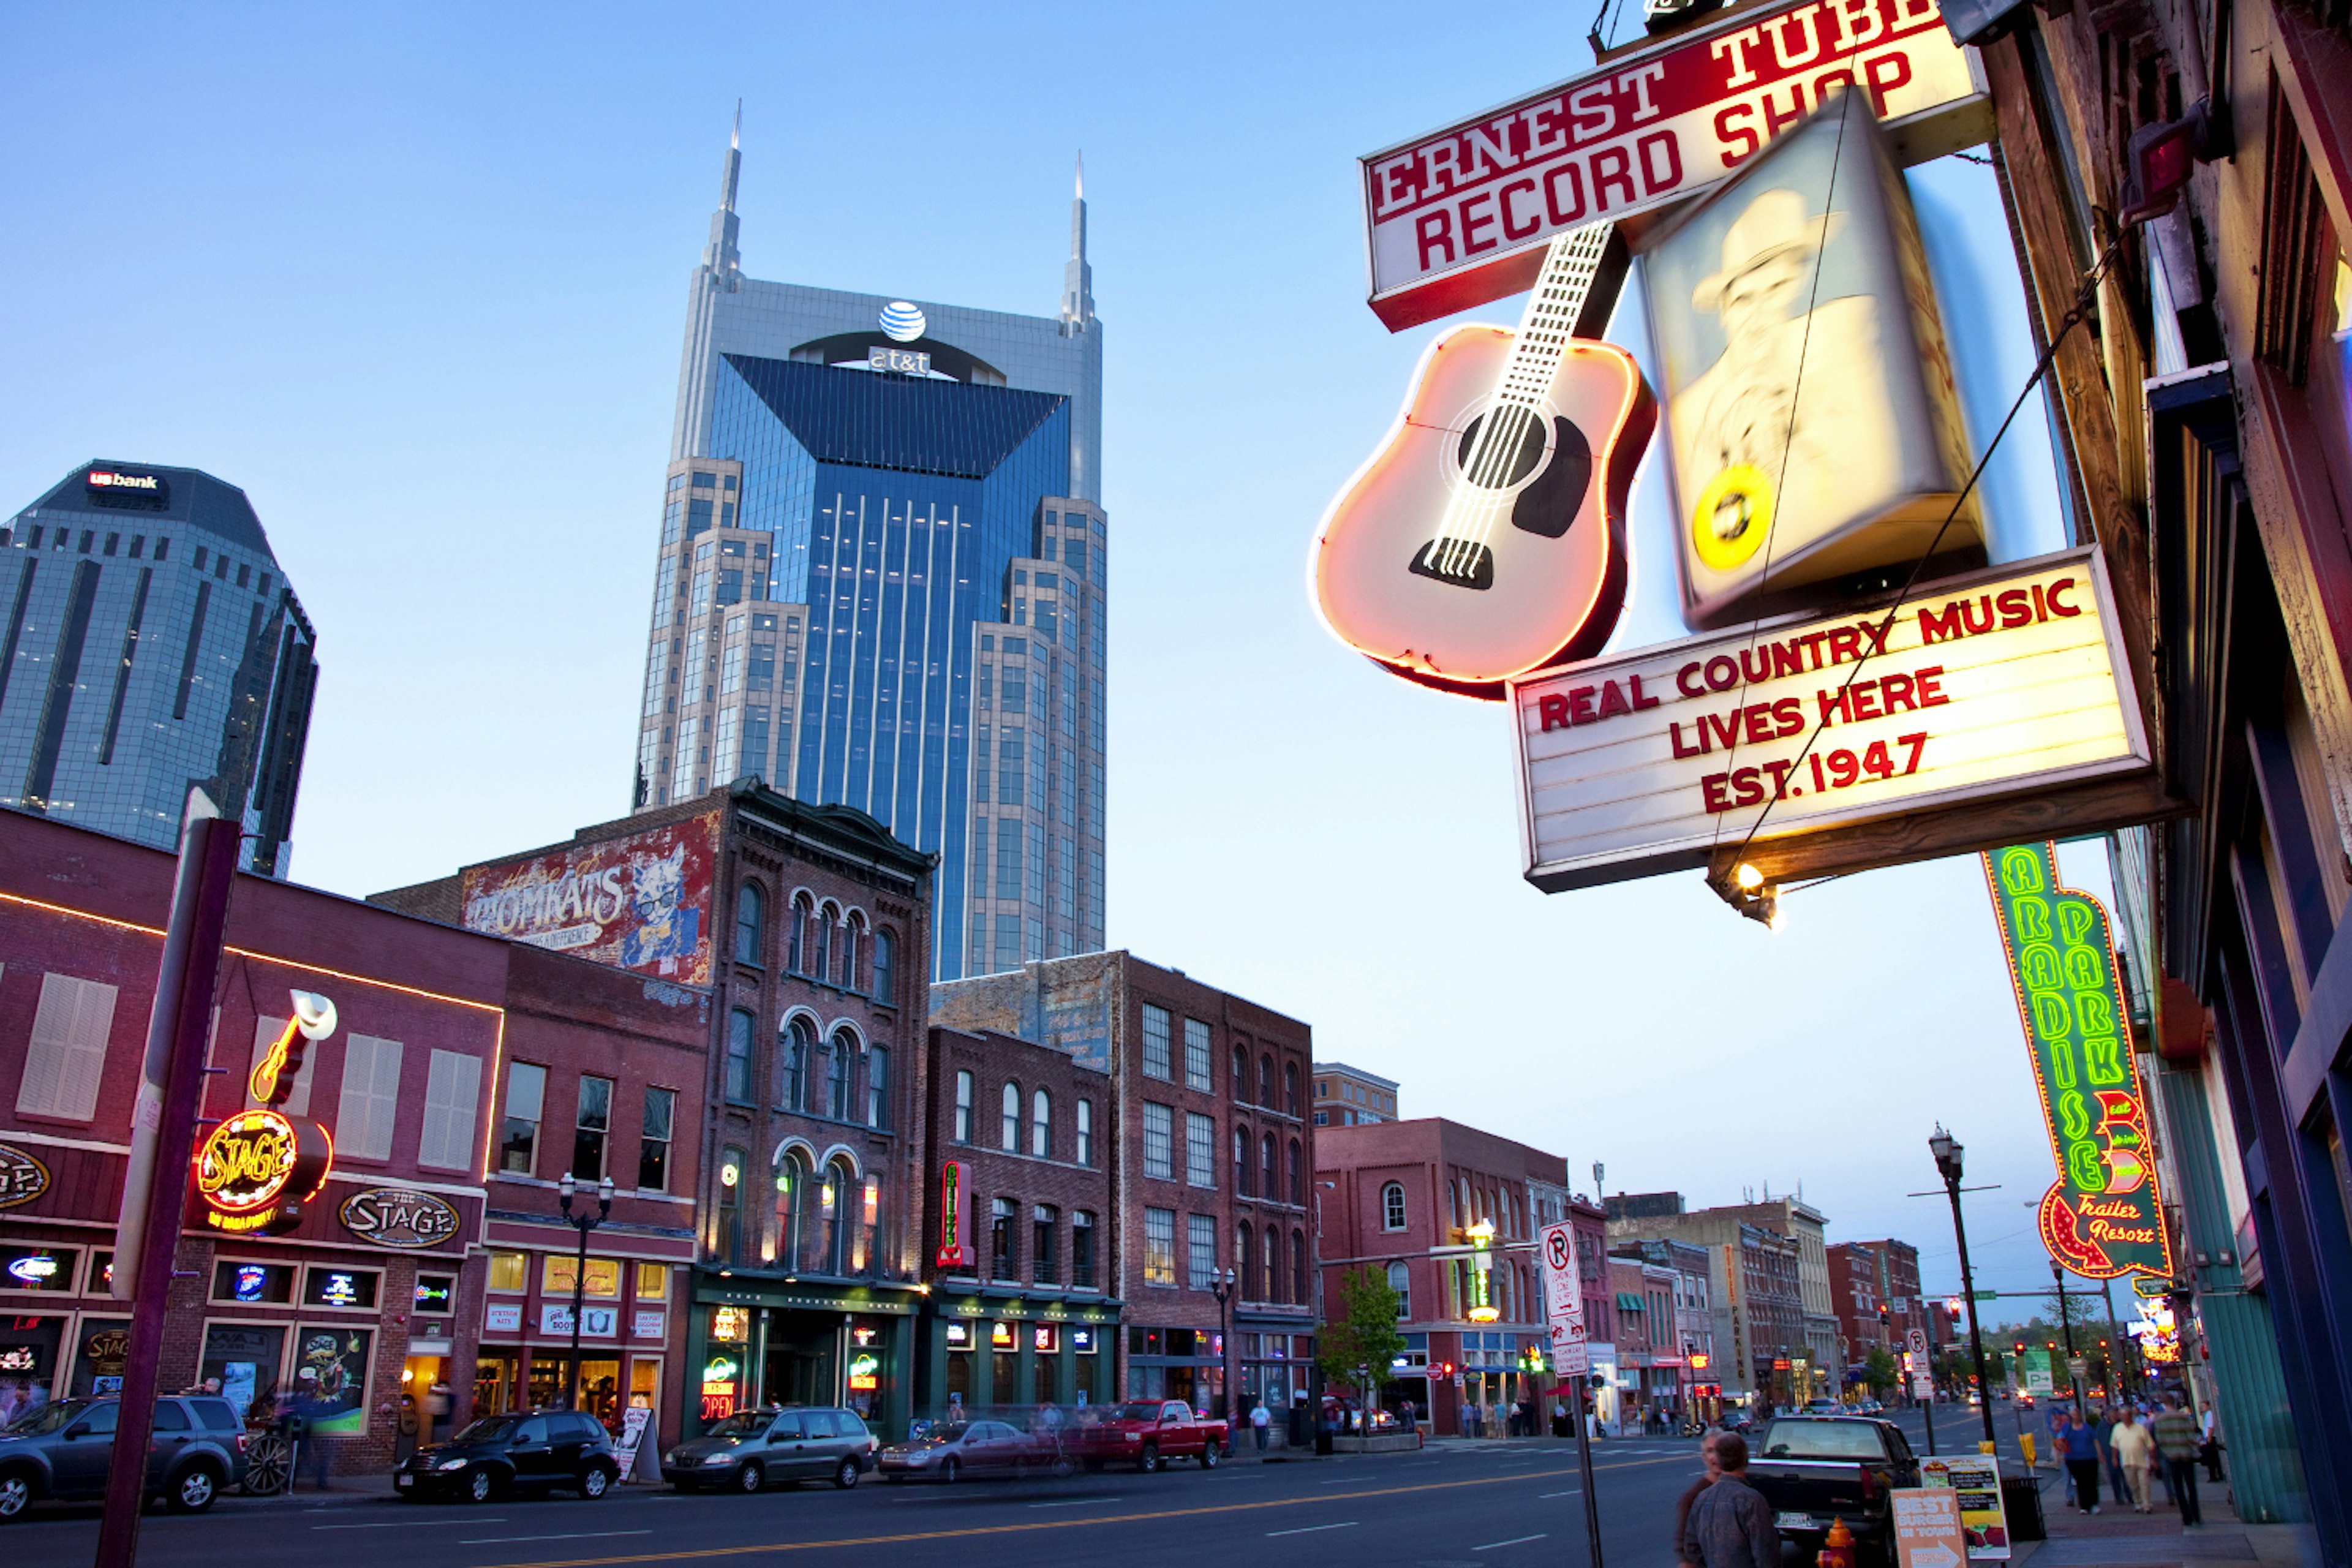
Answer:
[(1323, 1429), (2020, 1498)]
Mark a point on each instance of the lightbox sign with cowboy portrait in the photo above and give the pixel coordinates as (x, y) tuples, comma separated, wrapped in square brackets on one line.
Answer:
[(2102, 1217)]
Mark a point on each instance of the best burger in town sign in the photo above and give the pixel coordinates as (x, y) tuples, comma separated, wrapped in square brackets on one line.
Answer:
[(1982, 686)]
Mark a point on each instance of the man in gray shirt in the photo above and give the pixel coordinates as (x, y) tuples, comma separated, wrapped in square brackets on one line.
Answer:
[(1731, 1524)]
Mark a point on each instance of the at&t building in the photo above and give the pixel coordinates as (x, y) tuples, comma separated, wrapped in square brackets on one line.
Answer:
[(881, 583)]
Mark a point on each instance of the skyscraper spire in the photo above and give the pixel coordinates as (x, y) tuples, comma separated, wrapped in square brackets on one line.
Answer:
[(720, 255), (1078, 278)]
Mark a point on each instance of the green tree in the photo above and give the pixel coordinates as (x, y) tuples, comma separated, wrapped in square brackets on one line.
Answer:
[(1882, 1369), (1360, 1346)]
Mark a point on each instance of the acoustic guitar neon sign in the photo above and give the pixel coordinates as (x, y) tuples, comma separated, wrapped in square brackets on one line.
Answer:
[(255, 1169)]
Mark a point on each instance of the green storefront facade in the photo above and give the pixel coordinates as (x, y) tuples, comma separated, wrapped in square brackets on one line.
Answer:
[(755, 1341), (1000, 1347)]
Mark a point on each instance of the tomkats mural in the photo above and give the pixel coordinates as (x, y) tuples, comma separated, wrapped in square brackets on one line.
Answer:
[(2102, 1217), (642, 903)]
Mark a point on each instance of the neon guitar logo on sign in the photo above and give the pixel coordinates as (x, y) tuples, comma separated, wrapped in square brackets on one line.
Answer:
[(1486, 538)]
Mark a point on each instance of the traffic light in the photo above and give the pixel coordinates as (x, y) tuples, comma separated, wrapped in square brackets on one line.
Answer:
[(2021, 1347), (1953, 1307)]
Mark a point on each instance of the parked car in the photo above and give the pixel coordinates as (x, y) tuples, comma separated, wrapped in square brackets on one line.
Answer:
[(1814, 1469), (1149, 1433), (63, 1449), (753, 1448), (1825, 1407), (538, 1451), (952, 1450)]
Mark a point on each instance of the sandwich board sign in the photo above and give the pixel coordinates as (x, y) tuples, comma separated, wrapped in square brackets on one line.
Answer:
[(1927, 1533)]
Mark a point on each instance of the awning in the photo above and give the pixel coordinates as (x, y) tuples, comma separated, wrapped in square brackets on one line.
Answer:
[(1628, 1301)]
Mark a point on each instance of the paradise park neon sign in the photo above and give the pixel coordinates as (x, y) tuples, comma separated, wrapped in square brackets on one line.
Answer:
[(257, 1168)]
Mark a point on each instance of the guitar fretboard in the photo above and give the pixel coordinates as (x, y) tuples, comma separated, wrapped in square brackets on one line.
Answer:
[(1571, 264)]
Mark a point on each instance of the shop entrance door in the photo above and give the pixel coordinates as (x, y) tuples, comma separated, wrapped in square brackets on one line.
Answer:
[(803, 1350)]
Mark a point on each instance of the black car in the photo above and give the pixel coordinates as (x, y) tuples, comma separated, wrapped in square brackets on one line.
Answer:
[(64, 1448), (536, 1452)]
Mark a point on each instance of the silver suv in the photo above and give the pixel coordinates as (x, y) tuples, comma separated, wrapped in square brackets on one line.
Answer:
[(64, 1449), (755, 1448)]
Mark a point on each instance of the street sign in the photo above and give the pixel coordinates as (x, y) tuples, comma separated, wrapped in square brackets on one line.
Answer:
[(2078, 1368), (1563, 1302), (1927, 1533), (1460, 215), (1917, 1342)]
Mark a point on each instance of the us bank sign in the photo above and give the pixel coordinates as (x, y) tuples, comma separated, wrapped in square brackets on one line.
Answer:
[(1987, 684)]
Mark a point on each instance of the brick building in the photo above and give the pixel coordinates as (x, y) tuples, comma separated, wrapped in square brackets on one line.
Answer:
[(1015, 1242), (1855, 1294), (1210, 1154), (1402, 1197), (416, 1287), (1346, 1096), (801, 931), (1754, 1285), (1678, 1323)]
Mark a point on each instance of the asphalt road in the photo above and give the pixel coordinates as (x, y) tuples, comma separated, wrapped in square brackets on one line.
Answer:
[(1505, 1504)]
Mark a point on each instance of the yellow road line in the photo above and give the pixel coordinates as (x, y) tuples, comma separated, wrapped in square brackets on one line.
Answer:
[(1054, 1524)]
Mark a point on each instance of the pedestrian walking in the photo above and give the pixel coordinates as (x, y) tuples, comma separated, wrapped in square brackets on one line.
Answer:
[(1261, 1420), (1731, 1524), (2106, 1426), (2080, 1452), (1711, 1471), (2058, 1418), (1469, 1419), (2176, 1439), (2134, 1450), (2209, 1450)]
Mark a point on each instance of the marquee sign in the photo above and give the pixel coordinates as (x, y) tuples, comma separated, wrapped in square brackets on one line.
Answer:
[(399, 1216), (955, 1216), (1985, 687), (2102, 1217), (1460, 215)]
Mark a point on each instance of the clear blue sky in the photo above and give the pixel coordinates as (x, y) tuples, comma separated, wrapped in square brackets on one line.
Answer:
[(414, 276)]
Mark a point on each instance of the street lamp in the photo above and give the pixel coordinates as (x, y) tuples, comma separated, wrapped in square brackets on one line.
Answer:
[(1946, 1149), (584, 1223), (2066, 1327), (1221, 1286)]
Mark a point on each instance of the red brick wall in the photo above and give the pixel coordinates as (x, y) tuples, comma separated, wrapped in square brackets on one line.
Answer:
[(995, 1060)]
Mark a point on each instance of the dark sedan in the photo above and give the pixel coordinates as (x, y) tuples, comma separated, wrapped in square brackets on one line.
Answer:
[(948, 1453), (547, 1451)]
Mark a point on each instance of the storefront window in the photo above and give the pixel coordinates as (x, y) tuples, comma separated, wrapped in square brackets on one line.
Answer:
[(557, 1271), (331, 1373), (28, 1362), (236, 1280), (246, 1358), (600, 1391), (38, 1269), (100, 1346), (495, 1383), (653, 1281), (509, 1271), (339, 1288)]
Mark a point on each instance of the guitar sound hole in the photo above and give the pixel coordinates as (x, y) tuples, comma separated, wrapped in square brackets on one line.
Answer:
[(1455, 560), (1523, 463)]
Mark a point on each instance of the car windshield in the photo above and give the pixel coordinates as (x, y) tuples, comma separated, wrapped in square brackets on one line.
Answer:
[(1135, 1413), (1823, 1440), (745, 1424), (489, 1429), (946, 1434), (50, 1417)]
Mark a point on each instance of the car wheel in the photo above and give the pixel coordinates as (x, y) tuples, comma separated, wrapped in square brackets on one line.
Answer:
[(16, 1496), (1062, 1468), (1148, 1460), (195, 1490), (949, 1468), (594, 1480), (477, 1486), (751, 1478), (845, 1476), (1209, 1455)]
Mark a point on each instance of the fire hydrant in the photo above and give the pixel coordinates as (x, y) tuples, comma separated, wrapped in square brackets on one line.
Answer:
[(1837, 1552)]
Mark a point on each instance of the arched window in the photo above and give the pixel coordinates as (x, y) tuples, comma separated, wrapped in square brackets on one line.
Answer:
[(1290, 1087), (878, 1087), (800, 1051), (1269, 1173), (1301, 1283), (1265, 1081), (1392, 1207), (1247, 1256), (822, 967), (833, 1199), (728, 1240), (792, 1193), (836, 1080), (1241, 1075), (796, 936), (851, 930), (1011, 1139), (739, 1056), (864, 1258), (1241, 1162), (1400, 1282), (751, 915), (1297, 1177), (886, 954), (1041, 1125), (1273, 1265)]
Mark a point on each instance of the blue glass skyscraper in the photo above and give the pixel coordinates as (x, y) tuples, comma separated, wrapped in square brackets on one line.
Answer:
[(881, 582), (151, 643)]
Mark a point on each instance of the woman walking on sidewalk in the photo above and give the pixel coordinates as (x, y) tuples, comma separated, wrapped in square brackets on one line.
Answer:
[(2080, 1452)]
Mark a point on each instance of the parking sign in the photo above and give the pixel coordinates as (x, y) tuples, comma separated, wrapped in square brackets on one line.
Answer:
[(1563, 1305)]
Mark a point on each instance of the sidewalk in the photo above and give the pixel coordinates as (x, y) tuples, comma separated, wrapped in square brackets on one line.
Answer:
[(2120, 1538)]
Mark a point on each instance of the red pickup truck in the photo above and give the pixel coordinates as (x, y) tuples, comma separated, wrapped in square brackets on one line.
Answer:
[(1149, 1433)]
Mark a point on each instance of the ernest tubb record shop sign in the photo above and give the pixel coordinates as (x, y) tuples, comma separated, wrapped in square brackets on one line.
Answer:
[(1460, 216)]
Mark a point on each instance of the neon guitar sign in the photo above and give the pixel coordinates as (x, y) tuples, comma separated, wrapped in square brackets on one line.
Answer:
[(1486, 538), (257, 1168)]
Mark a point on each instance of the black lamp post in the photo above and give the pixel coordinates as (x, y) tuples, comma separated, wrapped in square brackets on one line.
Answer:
[(1221, 1286), (584, 1223), (2066, 1327), (1946, 1149)]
